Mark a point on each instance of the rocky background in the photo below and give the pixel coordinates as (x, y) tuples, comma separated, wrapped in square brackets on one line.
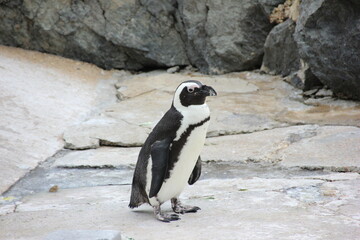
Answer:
[(316, 42)]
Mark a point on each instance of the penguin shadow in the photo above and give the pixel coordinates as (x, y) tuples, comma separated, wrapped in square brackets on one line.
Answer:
[(143, 212)]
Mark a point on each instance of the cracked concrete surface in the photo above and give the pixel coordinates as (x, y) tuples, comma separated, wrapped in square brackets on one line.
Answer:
[(276, 165), (41, 95)]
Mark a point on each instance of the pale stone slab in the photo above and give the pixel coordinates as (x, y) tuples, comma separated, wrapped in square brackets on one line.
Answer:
[(230, 209), (101, 157), (229, 123), (137, 85), (6, 209), (41, 95), (335, 177), (144, 111), (104, 131), (262, 146), (334, 147), (310, 146), (84, 235)]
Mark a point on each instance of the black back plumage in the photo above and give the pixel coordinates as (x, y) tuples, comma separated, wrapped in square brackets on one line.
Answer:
[(165, 129)]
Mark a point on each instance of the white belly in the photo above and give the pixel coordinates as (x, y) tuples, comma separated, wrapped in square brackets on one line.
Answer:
[(183, 168)]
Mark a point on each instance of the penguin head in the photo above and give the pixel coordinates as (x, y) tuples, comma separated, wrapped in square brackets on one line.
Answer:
[(192, 92)]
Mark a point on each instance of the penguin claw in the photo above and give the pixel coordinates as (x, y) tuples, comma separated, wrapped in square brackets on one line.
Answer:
[(186, 209), (193, 209), (174, 217), (167, 217)]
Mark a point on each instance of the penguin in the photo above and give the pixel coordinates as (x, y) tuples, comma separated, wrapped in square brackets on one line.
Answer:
[(170, 157)]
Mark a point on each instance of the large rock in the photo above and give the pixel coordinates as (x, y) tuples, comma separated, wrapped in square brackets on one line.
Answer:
[(282, 57), (216, 36), (225, 36), (111, 34), (281, 54), (304, 78), (329, 41)]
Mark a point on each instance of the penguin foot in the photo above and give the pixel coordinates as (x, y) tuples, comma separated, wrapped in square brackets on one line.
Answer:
[(179, 208), (165, 217), (186, 209)]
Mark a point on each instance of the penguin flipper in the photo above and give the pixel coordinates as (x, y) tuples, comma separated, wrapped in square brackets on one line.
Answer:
[(160, 157), (196, 172)]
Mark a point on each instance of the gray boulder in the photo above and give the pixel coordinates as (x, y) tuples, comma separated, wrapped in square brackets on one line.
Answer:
[(281, 54), (282, 58), (111, 34), (215, 36), (328, 36), (224, 36), (304, 78)]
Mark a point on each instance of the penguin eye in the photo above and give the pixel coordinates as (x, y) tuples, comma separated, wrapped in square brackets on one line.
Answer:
[(191, 89)]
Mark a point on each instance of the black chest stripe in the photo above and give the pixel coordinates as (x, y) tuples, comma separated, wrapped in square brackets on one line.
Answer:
[(179, 144)]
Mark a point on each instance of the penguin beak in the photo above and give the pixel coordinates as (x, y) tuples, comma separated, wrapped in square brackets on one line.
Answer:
[(208, 91)]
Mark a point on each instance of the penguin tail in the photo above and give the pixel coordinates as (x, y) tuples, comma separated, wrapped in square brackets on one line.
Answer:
[(131, 205), (134, 203), (137, 198)]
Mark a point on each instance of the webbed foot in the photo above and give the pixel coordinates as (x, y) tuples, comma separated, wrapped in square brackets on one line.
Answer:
[(165, 217), (179, 208)]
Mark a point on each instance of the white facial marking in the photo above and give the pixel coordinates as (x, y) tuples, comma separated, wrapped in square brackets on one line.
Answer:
[(188, 85), (192, 88)]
